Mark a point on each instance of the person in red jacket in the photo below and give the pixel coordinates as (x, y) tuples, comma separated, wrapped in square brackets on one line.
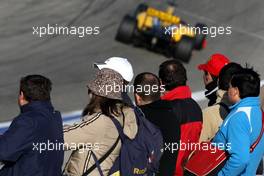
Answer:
[(173, 76)]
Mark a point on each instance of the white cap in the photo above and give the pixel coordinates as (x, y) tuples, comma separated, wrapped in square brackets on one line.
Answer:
[(120, 65)]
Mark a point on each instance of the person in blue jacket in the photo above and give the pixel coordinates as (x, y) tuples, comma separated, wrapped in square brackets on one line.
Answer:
[(30, 147), (242, 126)]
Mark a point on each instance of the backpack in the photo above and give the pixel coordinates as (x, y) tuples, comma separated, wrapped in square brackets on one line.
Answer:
[(139, 156), (224, 106)]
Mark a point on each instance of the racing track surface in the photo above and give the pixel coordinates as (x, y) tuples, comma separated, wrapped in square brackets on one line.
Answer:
[(67, 60)]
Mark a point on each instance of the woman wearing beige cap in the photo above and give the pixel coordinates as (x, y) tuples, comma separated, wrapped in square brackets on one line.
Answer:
[(97, 134)]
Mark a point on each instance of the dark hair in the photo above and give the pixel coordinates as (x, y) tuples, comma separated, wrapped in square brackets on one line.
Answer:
[(247, 81), (226, 74), (172, 74), (147, 79), (105, 105), (35, 88)]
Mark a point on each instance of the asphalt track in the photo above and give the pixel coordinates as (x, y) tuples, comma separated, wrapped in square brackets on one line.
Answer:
[(67, 60)]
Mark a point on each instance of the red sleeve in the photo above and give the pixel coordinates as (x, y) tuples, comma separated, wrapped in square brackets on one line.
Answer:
[(190, 133)]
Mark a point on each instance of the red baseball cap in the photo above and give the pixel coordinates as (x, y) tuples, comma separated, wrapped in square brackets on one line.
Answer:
[(214, 64)]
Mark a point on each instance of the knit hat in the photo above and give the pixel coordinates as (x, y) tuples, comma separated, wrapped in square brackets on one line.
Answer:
[(107, 83), (214, 64)]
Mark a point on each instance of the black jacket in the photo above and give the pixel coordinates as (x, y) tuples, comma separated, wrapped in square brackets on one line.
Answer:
[(37, 125), (161, 114), (189, 115), (210, 92)]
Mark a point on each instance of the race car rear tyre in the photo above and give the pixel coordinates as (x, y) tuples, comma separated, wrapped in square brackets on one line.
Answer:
[(182, 22), (126, 29), (199, 37), (141, 8), (183, 49)]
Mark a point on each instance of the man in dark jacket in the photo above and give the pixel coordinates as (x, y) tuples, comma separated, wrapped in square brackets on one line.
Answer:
[(173, 76), (31, 145), (160, 113)]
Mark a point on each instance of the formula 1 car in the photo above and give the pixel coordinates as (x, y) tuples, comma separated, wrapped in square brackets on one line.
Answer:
[(161, 31)]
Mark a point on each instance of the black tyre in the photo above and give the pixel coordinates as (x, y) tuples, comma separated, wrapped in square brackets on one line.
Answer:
[(182, 22), (140, 8), (199, 37), (126, 29), (183, 49)]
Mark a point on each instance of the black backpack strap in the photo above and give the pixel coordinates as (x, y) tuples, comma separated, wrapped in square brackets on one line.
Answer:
[(224, 106), (119, 128), (97, 163), (102, 159), (121, 134)]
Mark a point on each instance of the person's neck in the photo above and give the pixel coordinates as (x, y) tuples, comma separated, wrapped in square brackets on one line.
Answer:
[(211, 86), (142, 103)]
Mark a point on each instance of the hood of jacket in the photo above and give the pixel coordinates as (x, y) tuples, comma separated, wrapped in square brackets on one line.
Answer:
[(130, 126)]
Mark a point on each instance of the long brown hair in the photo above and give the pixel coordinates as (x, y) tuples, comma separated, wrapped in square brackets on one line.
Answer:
[(102, 104)]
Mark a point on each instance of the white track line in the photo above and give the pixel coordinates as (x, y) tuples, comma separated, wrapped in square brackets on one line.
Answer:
[(197, 96), (71, 114), (64, 115), (5, 124)]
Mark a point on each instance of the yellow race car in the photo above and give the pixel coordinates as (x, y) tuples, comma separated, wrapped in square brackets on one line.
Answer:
[(161, 31)]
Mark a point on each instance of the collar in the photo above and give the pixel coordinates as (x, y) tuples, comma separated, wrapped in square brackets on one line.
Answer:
[(159, 104), (34, 105), (246, 102), (211, 88), (181, 92)]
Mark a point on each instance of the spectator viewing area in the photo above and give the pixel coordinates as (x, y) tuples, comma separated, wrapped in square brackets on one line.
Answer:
[(131, 88)]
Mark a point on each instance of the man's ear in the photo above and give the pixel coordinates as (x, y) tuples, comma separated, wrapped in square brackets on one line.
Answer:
[(161, 83), (138, 99), (21, 99), (21, 95), (237, 92)]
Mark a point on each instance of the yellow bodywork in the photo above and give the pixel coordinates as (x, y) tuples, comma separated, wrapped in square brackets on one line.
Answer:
[(177, 33), (116, 174), (145, 21)]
